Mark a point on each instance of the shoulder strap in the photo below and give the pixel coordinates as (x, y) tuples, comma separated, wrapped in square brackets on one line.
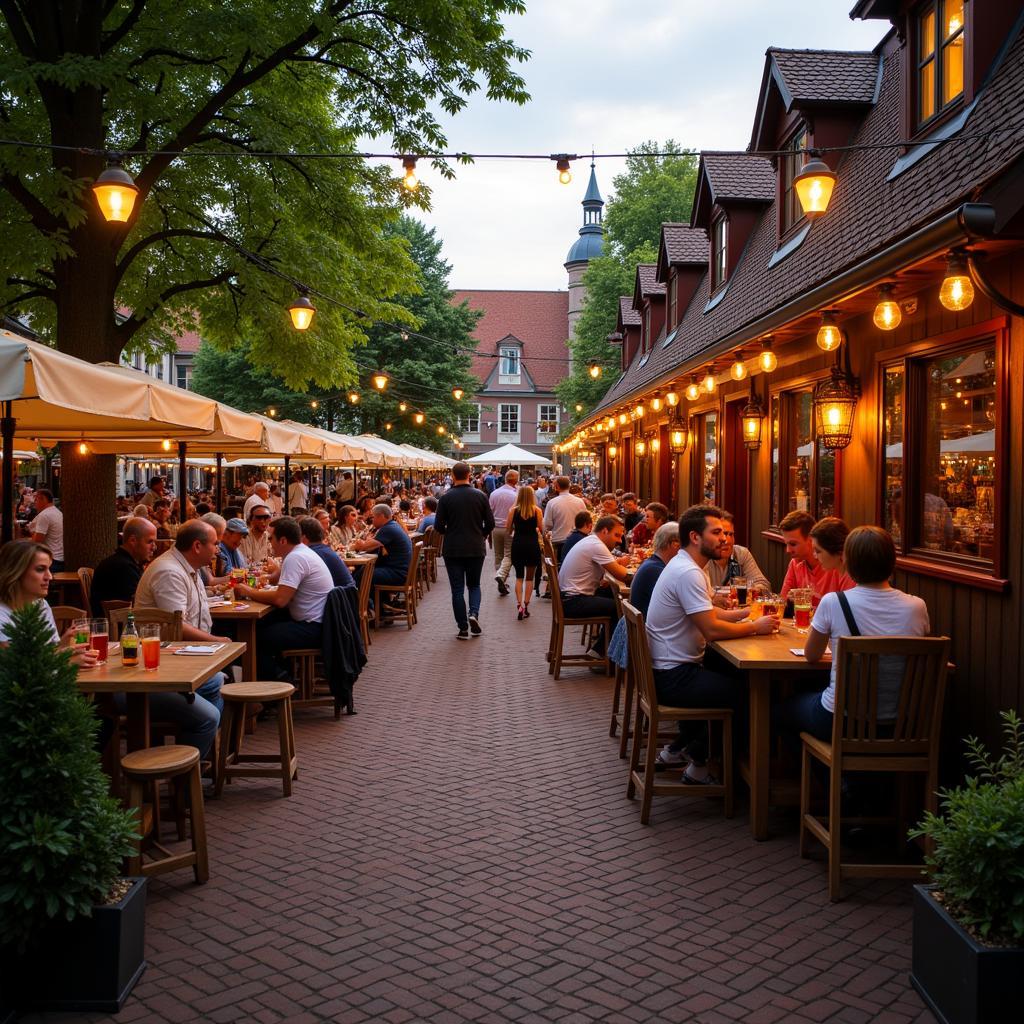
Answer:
[(848, 612)]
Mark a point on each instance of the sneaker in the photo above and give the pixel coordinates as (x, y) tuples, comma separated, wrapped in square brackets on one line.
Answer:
[(669, 758), (463, 634), (546, 596), (474, 625), (502, 586), (693, 780), (595, 655)]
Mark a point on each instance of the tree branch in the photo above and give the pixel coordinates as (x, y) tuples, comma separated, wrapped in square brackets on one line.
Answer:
[(114, 36), (36, 293), (127, 330), (40, 216), (158, 236)]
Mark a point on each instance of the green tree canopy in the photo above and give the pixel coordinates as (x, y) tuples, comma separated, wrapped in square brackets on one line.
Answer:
[(423, 368), (651, 191)]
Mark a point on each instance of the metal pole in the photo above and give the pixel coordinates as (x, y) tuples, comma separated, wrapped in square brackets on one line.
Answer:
[(219, 499), (287, 484), (182, 483), (7, 473), (309, 487)]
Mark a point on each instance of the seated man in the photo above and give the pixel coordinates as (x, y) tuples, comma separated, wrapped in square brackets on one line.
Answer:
[(736, 561), (314, 538), (581, 574), (255, 546), (160, 513), (229, 554), (631, 514), (655, 515), (429, 514), (391, 544), (609, 505), (117, 577), (172, 582), (804, 569), (299, 599), (584, 524), (680, 621), (260, 496)]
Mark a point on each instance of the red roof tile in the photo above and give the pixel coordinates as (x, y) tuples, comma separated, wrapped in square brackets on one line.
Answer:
[(540, 320), (646, 283), (188, 342), (826, 76), (739, 178), (628, 316), (684, 245)]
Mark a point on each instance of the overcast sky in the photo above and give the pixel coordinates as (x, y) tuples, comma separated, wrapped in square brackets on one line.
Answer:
[(609, 74)]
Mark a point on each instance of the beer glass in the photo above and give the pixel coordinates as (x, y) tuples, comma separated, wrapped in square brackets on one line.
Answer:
[(801, 597), (149, 640), (99, 638), (739, 585)]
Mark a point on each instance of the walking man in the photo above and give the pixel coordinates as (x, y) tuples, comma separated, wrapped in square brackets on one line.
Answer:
[(465, 519), (501, 500)]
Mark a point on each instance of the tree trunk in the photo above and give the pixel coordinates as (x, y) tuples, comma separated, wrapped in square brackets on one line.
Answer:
[(88, 492)]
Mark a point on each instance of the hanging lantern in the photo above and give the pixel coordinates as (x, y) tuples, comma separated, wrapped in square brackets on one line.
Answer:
[(656, 403), (752, 417), (623, 419), (957, 291), (612, 452), (655, 444), (380, 380), (814, 185), (301, 311), (83, 448), (887, 315), (402, 406), (409, 179), (835, 402), (166, 444), (418, 418), (738, 370), (767, 360), (457, 393), (115, 192), (708, 384), (640, 447), (594, 369), (672, 397), (638, 412), (678, 437), (353, 397)]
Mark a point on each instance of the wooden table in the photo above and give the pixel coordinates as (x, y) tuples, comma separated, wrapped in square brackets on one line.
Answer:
[(354, 561), (244, 616), (176, 674), (764, 658), (61, 581)]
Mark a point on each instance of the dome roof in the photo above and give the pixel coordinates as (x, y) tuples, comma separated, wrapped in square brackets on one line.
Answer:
[(588, 246)]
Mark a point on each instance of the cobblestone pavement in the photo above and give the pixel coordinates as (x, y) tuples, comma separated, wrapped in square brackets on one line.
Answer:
[(462, 850)]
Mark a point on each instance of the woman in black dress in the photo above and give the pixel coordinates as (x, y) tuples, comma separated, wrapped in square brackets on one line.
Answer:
[(525, 521)]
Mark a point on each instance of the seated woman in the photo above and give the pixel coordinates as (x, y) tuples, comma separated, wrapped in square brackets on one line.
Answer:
[(875, 608), (25, 579), (828, 536)]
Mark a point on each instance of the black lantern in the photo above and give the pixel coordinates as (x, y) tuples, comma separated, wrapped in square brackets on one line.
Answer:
[(835, 402), (752, 418), (678, 436)]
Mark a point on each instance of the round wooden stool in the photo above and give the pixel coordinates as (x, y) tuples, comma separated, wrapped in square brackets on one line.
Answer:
[(178, 765), (233, 763)]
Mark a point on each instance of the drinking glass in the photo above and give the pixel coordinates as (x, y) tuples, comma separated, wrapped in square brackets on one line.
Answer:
[(771, 604), (149, 639), (724, 597), (99, 638), (756, 593), (801, 598), (739, 585), (82, 630)]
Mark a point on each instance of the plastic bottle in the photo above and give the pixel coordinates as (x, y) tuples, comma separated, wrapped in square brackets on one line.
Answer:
[(130, 644)]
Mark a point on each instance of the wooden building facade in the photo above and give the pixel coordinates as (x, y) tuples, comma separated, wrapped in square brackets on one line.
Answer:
[(934, 122)]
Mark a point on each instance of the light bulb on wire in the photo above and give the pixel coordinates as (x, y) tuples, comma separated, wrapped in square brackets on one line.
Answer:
[(738, 370), (829, 337), (957, 291), (887, 315), (301, 311), (767, 359), (693, 389), (409, 179), (115, 192), (380, 380), (562, 165)]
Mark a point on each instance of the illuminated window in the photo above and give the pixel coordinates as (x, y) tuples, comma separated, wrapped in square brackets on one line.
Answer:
[(547, 419), (803, 471), (940, 57)]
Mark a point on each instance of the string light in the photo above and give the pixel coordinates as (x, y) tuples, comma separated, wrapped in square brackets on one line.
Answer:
[(623, 419), (738, 370), (562, 165), (693, 389), (887, 315), (353, 397), (314, 404), (656, 403), (594, 369), (829, 337), (767, 359), (457, 393), (115, 192), (166, 444), (957, 291), (440, 428), (380, 380), (579, 407), (409, 179), (419, 418), (402, 406), (672, 397), (301, 311), (387, 426), (271, 412), (83, 448), (709, 380)]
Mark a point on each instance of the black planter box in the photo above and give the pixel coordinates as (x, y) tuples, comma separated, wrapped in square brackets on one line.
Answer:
[(962, 981), (91, 963)]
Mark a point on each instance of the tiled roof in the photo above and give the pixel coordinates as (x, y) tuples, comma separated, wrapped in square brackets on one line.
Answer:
[(749, 178), (540, 320), (868, 212), (628, 316), (826, 76), (187, 342), (684, 244), (647, 282)]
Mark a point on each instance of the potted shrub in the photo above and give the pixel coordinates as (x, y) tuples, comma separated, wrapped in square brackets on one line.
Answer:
[(968, 929), (71, 930)]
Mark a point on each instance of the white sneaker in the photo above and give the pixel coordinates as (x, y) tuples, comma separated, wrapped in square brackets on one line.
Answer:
[(673, 758)]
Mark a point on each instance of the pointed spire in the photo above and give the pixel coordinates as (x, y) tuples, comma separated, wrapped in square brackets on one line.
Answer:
[(591, 242), (593, 194)]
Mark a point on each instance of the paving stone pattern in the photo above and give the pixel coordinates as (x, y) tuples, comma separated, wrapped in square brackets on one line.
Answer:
[(463, 850)]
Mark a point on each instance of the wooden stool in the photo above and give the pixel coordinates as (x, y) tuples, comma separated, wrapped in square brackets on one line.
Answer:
[(233, 763), (180, 766)]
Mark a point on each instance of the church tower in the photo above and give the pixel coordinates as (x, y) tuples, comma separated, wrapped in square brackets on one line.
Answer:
[(588, 246)]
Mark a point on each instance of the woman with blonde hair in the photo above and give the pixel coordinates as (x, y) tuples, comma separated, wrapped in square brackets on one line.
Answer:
[(524, 523), (25, 579)]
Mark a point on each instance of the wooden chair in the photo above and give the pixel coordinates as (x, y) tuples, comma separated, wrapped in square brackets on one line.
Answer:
[(170, 622), (311, 685), (860, 743), (365, 586), (422, 572), (431, 549), (110, 606), (232, 763), (559, 624), (623, 682), (65, 614), (650, 715), (408, 588), (85, 581), (178, 765)]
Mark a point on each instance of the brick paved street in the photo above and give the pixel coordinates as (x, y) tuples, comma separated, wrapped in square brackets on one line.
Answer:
[(462, 850)]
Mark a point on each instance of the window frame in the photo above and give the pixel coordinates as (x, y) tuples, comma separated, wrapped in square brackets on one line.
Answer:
[(911, 557), (465, 433), (183, 371), (673, 299), (510, 435), (789, 167), (541, 419), (697, 425), (719, 275), (509, 377), (941, 111)]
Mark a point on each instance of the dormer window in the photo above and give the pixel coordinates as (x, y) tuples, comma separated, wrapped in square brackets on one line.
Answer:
[(673, 300), (940, 57), (790, 164), (508, 368), (648, 340), (719, 262)]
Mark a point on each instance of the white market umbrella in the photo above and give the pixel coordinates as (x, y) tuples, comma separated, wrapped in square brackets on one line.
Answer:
[(509, 455)]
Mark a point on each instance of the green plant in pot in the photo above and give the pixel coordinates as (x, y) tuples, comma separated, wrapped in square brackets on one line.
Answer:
[(968, 955), (62, 837)]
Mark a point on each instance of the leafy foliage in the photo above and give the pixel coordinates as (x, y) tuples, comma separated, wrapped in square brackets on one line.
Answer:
[(979, 840), (652, 191), (62, 836), (423, 370)]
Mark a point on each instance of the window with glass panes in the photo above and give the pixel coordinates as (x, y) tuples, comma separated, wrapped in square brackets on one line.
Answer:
[(718, 260), (547, 419), (940, 57), (183, 372), (508, 368), (673, 298), (790, 164), (803, 471), (508, 418), (705, 458), (469, 423), (943, 466)]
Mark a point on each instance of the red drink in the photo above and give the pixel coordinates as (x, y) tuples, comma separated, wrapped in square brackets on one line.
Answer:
[(151, 653), (99, 643), (802, 617)]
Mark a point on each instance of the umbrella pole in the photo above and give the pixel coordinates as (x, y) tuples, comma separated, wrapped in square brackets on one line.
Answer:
[(287, 485), (7, 473), (182, 482), (220, 489), (309, 488)]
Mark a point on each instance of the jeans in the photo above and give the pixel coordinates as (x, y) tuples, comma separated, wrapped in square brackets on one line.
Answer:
[(464, 574), (691, 685), (588, 606), (280, 632), (802, 713)]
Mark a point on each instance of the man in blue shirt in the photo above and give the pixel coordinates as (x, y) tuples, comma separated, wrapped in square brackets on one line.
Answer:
[(584, 523), (666, 547), (313, 538), (229, 556), (391, 544), (429, 514)]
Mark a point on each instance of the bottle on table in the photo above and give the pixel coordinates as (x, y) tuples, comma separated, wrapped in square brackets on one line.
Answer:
[(130, 644)]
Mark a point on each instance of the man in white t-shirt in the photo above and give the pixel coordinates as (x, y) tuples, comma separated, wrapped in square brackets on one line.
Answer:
[(582, 574), (260, 496), (680, 620), (48, 527), (501, 500), (298, 495), (560, 514), (299, 597)]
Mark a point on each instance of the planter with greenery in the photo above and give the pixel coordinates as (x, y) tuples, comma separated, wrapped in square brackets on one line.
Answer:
[(71, 930), (968, 944)]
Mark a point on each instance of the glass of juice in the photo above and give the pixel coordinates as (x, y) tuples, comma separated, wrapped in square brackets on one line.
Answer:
[(801, 609), (99, 638), (82, 628), (756, 594), (149, 640)]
